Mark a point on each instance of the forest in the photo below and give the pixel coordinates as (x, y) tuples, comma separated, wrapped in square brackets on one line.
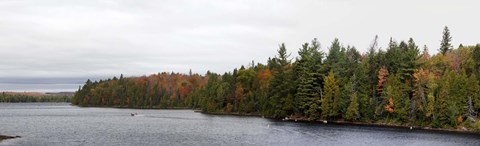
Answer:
[(401, 85), (32, 97)]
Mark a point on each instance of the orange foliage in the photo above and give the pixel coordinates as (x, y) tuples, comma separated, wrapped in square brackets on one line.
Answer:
[(389, 106), (229, 108), (264, 77), (238, 95), (382, 77), (265, 74)]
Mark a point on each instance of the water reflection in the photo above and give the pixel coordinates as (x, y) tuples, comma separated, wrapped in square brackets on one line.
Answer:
[(61, 124)]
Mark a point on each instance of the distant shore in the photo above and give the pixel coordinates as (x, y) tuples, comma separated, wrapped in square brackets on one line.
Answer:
[(35, 96)]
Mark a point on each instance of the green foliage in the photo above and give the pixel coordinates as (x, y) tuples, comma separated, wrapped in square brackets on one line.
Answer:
[(331, 97), (308, 78), (161, 90), (280, 89), (395, 91), (476, 59), (20, 97), (352, 112), (446, 45), (398, 85), (431, 87), (473, 93)]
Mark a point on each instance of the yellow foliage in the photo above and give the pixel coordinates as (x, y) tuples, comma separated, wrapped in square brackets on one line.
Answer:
[(460, 119)]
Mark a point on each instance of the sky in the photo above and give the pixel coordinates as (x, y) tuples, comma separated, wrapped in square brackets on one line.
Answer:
[(71, 40)]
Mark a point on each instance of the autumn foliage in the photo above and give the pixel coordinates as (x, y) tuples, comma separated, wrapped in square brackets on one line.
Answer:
[(400, 85)]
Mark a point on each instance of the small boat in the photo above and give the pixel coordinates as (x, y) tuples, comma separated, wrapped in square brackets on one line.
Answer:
[(132, 114)]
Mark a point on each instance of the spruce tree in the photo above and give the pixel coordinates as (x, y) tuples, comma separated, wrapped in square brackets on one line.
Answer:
[(327, 95), (331, 97), (446, 45), (419, 97), (431, 87), (364, 91), (473, 90), (308, 78), (476, 59), (442, 102), (352, 112), (280, 88)]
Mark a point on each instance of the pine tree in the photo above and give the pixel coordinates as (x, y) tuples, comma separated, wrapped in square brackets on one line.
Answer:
[(449, 99), (352, 112), (431, 87), (327, 96), (441, 114), (336, 61), (308, 78), (364, 91), (473, 90), (331, 97), (419, 98), (476, 59), (280, 87), (446, 45), (459, 93)]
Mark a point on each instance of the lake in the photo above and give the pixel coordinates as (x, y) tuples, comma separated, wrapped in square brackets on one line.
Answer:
[(61, 124)]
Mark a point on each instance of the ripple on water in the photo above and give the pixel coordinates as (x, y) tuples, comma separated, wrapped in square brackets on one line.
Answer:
[(62, 124)]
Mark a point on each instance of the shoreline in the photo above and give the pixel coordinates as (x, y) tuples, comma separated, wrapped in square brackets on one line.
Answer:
[(404, 127), (304, 120), (126, 107), (341, 122)]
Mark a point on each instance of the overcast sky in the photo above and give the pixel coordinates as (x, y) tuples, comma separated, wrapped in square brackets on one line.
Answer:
[(100, 38)]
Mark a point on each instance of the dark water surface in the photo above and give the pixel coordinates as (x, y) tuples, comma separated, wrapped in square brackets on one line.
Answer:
[(61, 124)]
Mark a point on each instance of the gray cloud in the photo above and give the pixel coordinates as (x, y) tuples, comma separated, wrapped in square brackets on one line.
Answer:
[(87, 38)]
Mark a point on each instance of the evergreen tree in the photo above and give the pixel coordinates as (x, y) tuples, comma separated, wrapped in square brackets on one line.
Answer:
[(446, 45), (352, 112), (459, 93), (473, 95), (331, 97), (397, 101), (431, 87), (308, 78), (476, 59), (448, 110), (364, 91), (327, 96), (280, 88), (336, 61), (419, 98), (397, 85)]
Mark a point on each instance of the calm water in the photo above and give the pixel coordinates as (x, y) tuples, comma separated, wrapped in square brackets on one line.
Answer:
[(62, 124)]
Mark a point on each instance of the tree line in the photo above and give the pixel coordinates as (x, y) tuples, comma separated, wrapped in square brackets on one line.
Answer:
[(402, 84), (162, 90), (18, 97)]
